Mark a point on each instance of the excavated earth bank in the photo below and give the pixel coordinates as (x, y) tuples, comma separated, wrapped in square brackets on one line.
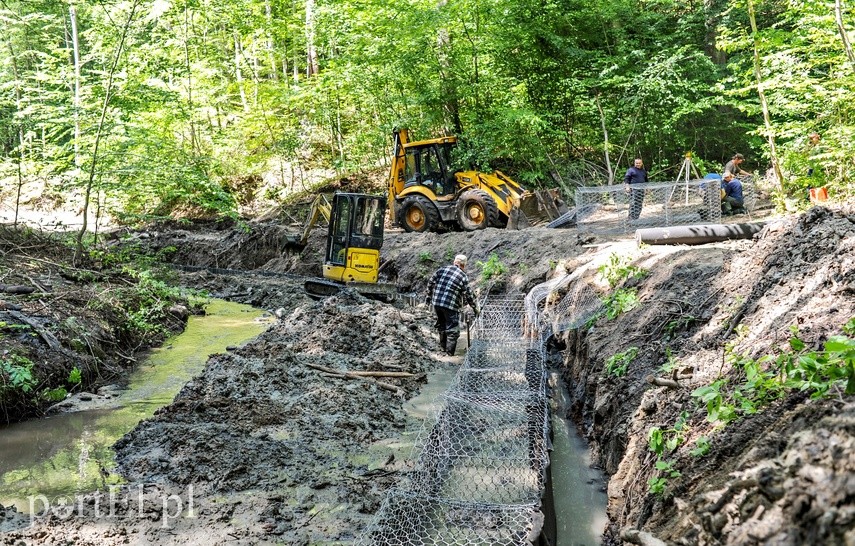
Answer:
[(279, 451), (782, 475)]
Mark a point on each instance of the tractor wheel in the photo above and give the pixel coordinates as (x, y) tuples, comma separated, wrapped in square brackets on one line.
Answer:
[(476, 210), (418, 214)]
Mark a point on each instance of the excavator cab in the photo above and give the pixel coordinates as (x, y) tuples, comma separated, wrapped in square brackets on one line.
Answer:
[(355, 238), (428, 165)]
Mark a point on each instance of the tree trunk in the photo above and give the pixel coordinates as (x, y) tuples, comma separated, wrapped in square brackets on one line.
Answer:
[(18, 108), (194, 142), (239, 74), (838, 17), (770, 134), (712, 18), (107, 92), (605, 141), (72, 12), (271, 44), (312, 67)]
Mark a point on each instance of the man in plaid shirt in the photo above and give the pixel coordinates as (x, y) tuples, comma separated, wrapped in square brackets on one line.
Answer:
[(447, 289)]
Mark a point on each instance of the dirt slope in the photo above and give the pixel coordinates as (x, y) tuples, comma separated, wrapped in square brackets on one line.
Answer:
[(782, 472)]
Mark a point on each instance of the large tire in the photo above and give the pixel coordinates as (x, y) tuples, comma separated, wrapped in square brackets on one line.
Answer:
[(418, 214), (476, 210)]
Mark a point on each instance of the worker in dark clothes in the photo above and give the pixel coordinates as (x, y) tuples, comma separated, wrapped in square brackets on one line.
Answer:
[(635, 175), (732, 202), (448, 291), (733, 166)]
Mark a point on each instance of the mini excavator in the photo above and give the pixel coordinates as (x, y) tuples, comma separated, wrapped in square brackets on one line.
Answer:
[(354, 239)]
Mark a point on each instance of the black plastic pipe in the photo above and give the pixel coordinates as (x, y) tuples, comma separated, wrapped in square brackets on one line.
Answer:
[(697, 234)]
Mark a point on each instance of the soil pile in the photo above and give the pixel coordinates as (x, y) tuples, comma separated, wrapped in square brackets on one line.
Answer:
[(749, 461), (273, 439)]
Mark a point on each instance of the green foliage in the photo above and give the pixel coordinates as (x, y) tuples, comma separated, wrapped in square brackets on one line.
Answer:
[(55, 395), (702, 447), (618, 363), (16, 373), (671, 362), (660, 442), (620, 301), (769, 378), (74, 376), (618, 269), (425, 257), (492, 268), (658, 484)]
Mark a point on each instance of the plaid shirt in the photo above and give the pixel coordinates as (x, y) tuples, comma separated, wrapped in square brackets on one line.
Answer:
[(448, 286)]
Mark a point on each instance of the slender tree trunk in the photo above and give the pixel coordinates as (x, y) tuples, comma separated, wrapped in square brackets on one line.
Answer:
[(194, 142), (838, 17), (271, 44), (239, 74), (18, 109), (770, 133), (72, 12), (312, 67), (711, 21), (605, 141), (107, 95)]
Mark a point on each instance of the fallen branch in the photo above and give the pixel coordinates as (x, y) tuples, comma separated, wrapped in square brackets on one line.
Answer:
[(16, 289), (383, 374), (662, 382), (49, 338), (642, 538), (354, 375)]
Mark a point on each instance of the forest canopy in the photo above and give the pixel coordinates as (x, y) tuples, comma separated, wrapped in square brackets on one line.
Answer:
[(149, 108)]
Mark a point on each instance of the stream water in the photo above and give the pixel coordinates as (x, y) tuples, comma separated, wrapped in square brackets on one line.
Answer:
[(72, 453), (580, 502)]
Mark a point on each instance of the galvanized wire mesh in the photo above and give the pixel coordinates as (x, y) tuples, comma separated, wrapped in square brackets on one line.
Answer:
[(407, 519), (621, 209), (480, 462)]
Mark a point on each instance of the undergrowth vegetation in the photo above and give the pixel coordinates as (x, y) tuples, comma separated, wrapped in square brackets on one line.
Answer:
[(751, 386)]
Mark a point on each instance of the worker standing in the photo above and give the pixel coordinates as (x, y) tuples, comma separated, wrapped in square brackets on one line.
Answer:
[(447, 288), (636, 174)]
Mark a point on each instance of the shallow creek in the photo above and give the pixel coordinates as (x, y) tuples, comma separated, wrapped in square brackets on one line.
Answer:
[(72, 453)]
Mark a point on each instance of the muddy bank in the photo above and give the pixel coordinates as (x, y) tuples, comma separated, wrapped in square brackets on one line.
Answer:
[(270, 442), (69, 329), (407, 259), (771, 464), (273, 444)]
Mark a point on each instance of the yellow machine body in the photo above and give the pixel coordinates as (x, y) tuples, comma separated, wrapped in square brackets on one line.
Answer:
[(360, 265), (425, 192)]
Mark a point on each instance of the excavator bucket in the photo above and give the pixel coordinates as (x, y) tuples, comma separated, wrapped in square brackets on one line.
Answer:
[(537, 208)]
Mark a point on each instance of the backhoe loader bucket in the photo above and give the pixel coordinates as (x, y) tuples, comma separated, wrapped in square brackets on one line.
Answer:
[(537, 208)]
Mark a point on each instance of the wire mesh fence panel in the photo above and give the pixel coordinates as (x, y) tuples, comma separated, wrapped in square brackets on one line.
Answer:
[(480, 460), (499, 383), (580, 303), (501, 319), (621, 209), (505, 353), (492, 451), (405, 519)]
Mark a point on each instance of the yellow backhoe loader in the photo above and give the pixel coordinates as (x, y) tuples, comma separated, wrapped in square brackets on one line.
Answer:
[(425, 194)]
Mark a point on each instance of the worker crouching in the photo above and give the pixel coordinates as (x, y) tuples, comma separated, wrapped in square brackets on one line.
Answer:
[(448, 291)]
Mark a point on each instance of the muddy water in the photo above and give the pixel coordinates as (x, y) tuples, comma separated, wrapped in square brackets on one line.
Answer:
[(580, 502), (72, 453)]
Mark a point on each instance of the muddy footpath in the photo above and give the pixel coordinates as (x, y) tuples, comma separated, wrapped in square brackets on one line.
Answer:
[(294, 437)]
